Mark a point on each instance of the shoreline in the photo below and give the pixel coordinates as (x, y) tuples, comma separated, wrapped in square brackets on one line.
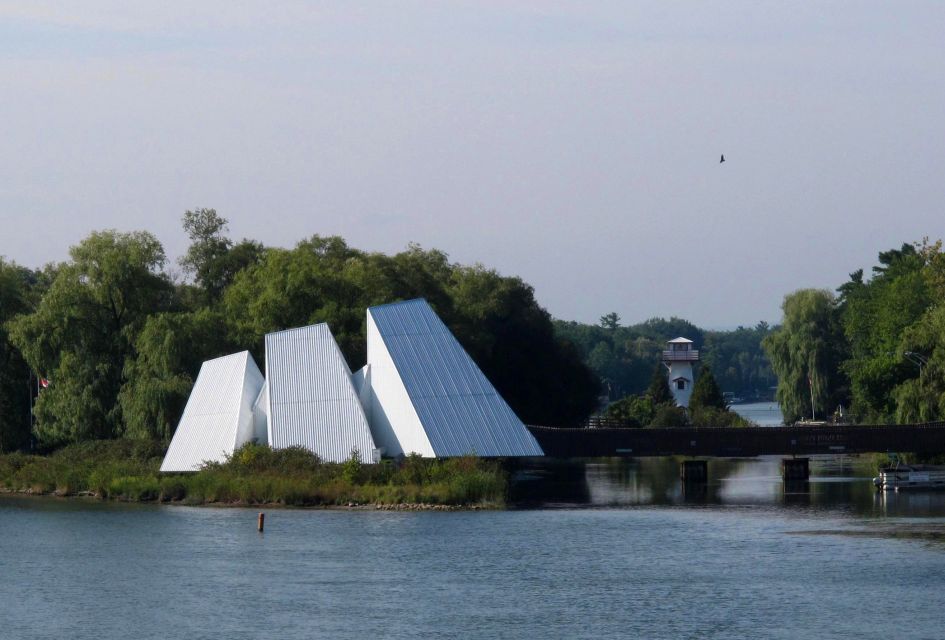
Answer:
[(91, 496)]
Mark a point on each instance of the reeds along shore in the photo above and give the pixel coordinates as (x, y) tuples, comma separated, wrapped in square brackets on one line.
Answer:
[(127, 470)]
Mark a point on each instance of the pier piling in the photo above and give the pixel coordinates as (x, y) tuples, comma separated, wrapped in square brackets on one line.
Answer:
[(795, 469), (693, 471)]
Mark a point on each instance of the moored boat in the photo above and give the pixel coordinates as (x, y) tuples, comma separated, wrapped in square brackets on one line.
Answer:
[(904, 477)]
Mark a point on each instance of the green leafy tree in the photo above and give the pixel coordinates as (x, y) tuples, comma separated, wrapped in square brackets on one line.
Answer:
[(706, 393), (17, 286), (212, 259), (875, 316), (659, 391), (496, 318), (82, 331), (636, 411), (158, 380), (715, 417), (738, 360), (921, 398), (610, 321), (506, 331), (806, 354), (668, 415)]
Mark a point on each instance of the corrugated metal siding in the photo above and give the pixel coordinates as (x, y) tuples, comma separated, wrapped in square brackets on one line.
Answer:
[(218, 410), (459, 408), (394, 420), (312, 402)]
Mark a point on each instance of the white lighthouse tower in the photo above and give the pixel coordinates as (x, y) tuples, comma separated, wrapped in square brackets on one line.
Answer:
[(678, 358)]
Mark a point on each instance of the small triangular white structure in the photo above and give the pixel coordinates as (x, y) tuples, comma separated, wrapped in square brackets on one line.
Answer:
[(218, 418), (427, 396), (310, 400)]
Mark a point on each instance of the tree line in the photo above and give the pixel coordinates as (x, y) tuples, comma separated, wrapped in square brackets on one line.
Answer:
[(120, 340), (624, 357), (874, 349)]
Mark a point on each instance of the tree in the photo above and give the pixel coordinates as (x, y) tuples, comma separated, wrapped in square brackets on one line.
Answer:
[(806, 354), (658, 390), (84, 329), (507, 332), (706, 393), (169, 351), (212, 259), (610, 321), (495, 318), (875, 315), (16, 296), (668, 415), (636, 411)]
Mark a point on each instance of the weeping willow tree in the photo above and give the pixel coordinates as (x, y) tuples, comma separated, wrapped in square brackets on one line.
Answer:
[(922, 398), (806, 353)]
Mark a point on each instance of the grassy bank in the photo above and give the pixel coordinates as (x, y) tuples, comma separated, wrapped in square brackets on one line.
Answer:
[(128, 470)]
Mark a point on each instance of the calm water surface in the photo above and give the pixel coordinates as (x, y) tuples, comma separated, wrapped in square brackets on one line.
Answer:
[(616, 550), (764, 414)]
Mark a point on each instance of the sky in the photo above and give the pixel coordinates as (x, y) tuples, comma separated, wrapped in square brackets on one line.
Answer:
[(573, 144)]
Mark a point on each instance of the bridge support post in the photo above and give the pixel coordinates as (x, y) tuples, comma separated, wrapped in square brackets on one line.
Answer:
[(694, 471), (793, 469)]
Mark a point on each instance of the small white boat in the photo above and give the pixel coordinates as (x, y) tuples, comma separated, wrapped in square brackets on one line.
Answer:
[(904, 477)]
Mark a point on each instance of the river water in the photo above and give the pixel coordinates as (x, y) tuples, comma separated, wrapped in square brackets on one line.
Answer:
[(615, 550), (764, 414)]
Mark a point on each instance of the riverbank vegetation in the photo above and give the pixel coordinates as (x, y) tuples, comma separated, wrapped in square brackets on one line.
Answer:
[(656, 407), (876, 347), (109, 342), (127, 470)]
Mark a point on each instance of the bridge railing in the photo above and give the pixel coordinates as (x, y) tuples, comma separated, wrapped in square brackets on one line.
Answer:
[(740, 441)]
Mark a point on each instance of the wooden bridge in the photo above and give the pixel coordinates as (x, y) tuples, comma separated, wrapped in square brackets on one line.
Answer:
[(740, 442)]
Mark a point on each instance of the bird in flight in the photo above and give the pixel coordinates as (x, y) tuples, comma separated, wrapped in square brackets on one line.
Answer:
[(723, 159)]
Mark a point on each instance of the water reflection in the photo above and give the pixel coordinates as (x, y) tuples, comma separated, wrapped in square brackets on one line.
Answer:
[(836, 483)]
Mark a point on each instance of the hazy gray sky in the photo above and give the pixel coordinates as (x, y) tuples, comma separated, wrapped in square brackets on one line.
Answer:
[(573, 144)]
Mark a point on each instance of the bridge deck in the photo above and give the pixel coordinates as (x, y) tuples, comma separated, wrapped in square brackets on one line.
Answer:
[(740, 442)]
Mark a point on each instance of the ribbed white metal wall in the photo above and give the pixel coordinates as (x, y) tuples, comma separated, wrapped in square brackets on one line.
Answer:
[(443, 397), (311, 399), (394, 420), (218, 417)]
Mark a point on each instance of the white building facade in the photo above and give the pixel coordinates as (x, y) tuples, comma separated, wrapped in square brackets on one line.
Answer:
[(218, 418), (310, 399), (420, 392)]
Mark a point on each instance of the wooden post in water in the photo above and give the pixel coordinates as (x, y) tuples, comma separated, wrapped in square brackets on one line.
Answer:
[(261, 522)]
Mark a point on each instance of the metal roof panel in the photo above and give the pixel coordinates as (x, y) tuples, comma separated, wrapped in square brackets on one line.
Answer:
[(459, 409)]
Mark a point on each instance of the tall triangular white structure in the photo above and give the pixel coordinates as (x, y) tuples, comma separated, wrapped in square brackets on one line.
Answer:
[(427, 396), (310, 400), (218, 418)]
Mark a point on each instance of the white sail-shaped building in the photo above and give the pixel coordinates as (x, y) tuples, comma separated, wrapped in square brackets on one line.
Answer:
[(218, 418), (310, 400), (426, 395), (420, 392)]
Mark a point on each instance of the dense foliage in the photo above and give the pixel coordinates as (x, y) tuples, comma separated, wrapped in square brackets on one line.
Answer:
[(121, 341), (127, 469), (656, 407), (624, 357), (877, 349)]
